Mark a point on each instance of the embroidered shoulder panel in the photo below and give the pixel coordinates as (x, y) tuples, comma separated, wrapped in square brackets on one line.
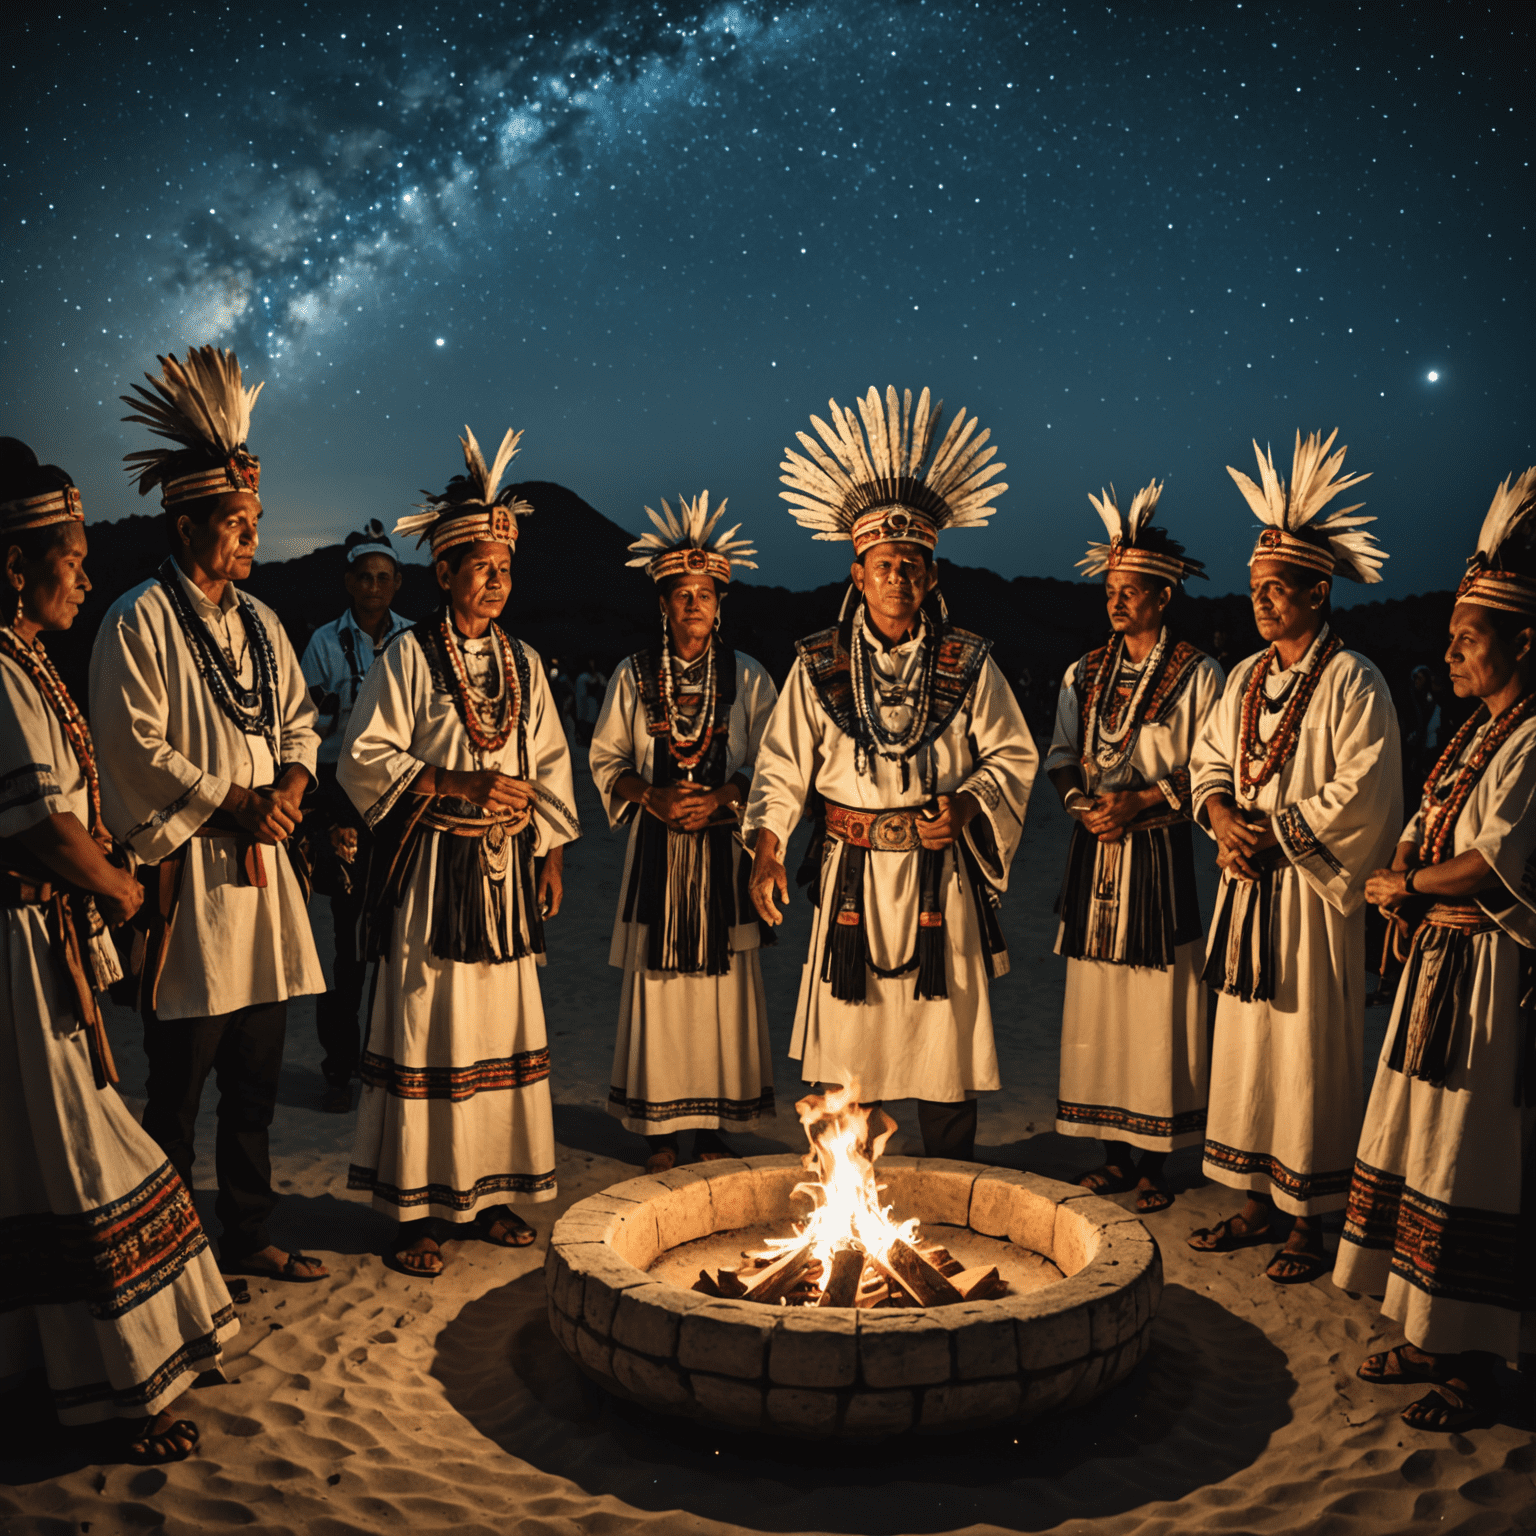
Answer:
[(1173, 678), (960, 658)]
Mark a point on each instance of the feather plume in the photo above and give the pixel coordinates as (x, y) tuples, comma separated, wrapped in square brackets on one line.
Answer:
[(1315, 481), (201, 404), (691, 527), (1128, 527), (483, 480), (875, 458), (1512, 503)]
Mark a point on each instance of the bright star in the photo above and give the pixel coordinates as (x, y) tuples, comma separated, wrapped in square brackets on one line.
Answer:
[(1433, 376), (439, 341)]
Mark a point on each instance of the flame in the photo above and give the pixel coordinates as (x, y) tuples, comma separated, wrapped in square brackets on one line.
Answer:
[(845, 1139)]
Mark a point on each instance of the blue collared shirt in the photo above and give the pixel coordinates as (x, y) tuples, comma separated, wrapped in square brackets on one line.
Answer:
[(336, 661)]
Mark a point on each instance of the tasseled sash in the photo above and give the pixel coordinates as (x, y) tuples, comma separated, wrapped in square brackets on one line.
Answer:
[(1240, 957), (1440, 968), (680, 887)]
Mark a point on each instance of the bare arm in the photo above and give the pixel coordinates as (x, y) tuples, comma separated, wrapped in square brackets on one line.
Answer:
[(1465, 875), (65, 847)]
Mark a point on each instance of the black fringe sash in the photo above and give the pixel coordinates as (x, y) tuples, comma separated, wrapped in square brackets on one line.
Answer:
[(1163, 908), (1439, 972), (680, 883), (1240, 957), (846, 958), (474, 878)]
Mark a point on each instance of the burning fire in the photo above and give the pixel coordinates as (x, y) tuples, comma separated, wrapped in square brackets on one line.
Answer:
[(846, 1137)]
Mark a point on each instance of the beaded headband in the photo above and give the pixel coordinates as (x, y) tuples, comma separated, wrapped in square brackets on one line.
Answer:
[(685, 542), (1277, 544), (483, 515), (60, 506), (1505, 590), (239, 474), (892, 525)]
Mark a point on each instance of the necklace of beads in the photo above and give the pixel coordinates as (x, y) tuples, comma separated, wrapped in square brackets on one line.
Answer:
[(1441, 816), (689, 744), (1107, 745), (489, 720), (38, 665), (252, 710), (891, 745), (1273, 755)]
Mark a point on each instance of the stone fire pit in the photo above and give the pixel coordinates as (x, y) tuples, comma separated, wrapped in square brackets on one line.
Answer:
[(820, 1371)]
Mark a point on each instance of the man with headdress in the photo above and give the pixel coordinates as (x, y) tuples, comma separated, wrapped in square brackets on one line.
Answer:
[(1134, 1062), (457, 761), (1297, 776), (676, 740), (213, 743), (336, 661), (1438, 1220), (897, 732)]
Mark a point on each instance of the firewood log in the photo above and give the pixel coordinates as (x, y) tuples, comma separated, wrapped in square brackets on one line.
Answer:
[(705, 1284), (980, 1283), (842, 1285), (917, 1277), (729, 1283), (779, 1277)]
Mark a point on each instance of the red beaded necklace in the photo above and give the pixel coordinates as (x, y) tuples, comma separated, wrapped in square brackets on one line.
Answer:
[(37, 664), (1274, 754), (489, 722), (1440, 817)]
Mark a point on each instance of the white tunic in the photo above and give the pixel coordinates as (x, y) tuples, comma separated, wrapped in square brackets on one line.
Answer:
[(455, 1109), (1435, 1218), (1134, 1057), (170, 756), (1287, 1085), (893, 1044), (336, 661), (109, 1283), (691, 1050)]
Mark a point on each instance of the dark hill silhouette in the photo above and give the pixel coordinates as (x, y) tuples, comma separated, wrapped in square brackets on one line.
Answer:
[(573, 597)]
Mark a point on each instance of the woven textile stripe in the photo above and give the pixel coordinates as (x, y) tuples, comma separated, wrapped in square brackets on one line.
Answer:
[(672, 1109), (189, 1357), (1113, 1118), (1299, 1186), (454, 1083), (1454, 1252), (441, 1194), (111, 1258)]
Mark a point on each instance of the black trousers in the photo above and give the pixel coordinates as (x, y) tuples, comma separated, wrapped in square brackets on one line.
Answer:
[(949, 1130), (336, 1021), (244, 1050)]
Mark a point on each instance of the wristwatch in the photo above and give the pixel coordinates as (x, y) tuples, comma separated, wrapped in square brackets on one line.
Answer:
[(1408, 875)]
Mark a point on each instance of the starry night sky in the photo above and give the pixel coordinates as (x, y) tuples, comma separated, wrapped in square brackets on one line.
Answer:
[(658, 237)]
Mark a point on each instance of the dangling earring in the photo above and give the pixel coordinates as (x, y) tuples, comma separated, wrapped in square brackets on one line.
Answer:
[(16, 619)]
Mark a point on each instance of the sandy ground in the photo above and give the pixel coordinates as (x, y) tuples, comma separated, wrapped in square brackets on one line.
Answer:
[(373, 1402)]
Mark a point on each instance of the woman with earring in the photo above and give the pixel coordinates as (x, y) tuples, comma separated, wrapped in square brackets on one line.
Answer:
[(456, 759), (672, 755), (109, 1284)]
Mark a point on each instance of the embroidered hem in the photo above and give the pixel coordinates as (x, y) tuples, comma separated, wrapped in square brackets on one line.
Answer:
[(454, 1083), (1111, 1117), (537, 1184), (1299, 1186), (191, 1357), (676, 1109)]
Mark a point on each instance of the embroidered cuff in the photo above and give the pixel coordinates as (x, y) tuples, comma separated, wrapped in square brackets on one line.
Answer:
[(170, 826), (386, 802), (1175, 790), (29, 795), (1299, 841), (1211, 784)]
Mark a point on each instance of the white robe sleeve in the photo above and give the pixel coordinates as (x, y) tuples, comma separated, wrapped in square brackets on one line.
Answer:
[(615, 751), (162, 797), (298, 740), (549, 764), (1334, 835), (1506, 835), (757, 696), (30, 788), (789, 756), (376, 765), (1202, 694), (1005, 761), (1210, 764), (1065, 751)]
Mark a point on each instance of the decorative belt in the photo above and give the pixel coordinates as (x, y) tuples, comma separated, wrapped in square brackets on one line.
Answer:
[(1463, 916), (892, 831), (497, 827)]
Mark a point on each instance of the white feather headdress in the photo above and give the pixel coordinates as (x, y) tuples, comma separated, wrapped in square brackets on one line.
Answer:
[(1126, 530), (201, 404), (1336, 544), (474, 507), (685, 542), (1489, 581), (869, 484)]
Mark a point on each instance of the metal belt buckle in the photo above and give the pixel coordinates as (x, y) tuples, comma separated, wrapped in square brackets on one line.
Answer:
[(894, 832)]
